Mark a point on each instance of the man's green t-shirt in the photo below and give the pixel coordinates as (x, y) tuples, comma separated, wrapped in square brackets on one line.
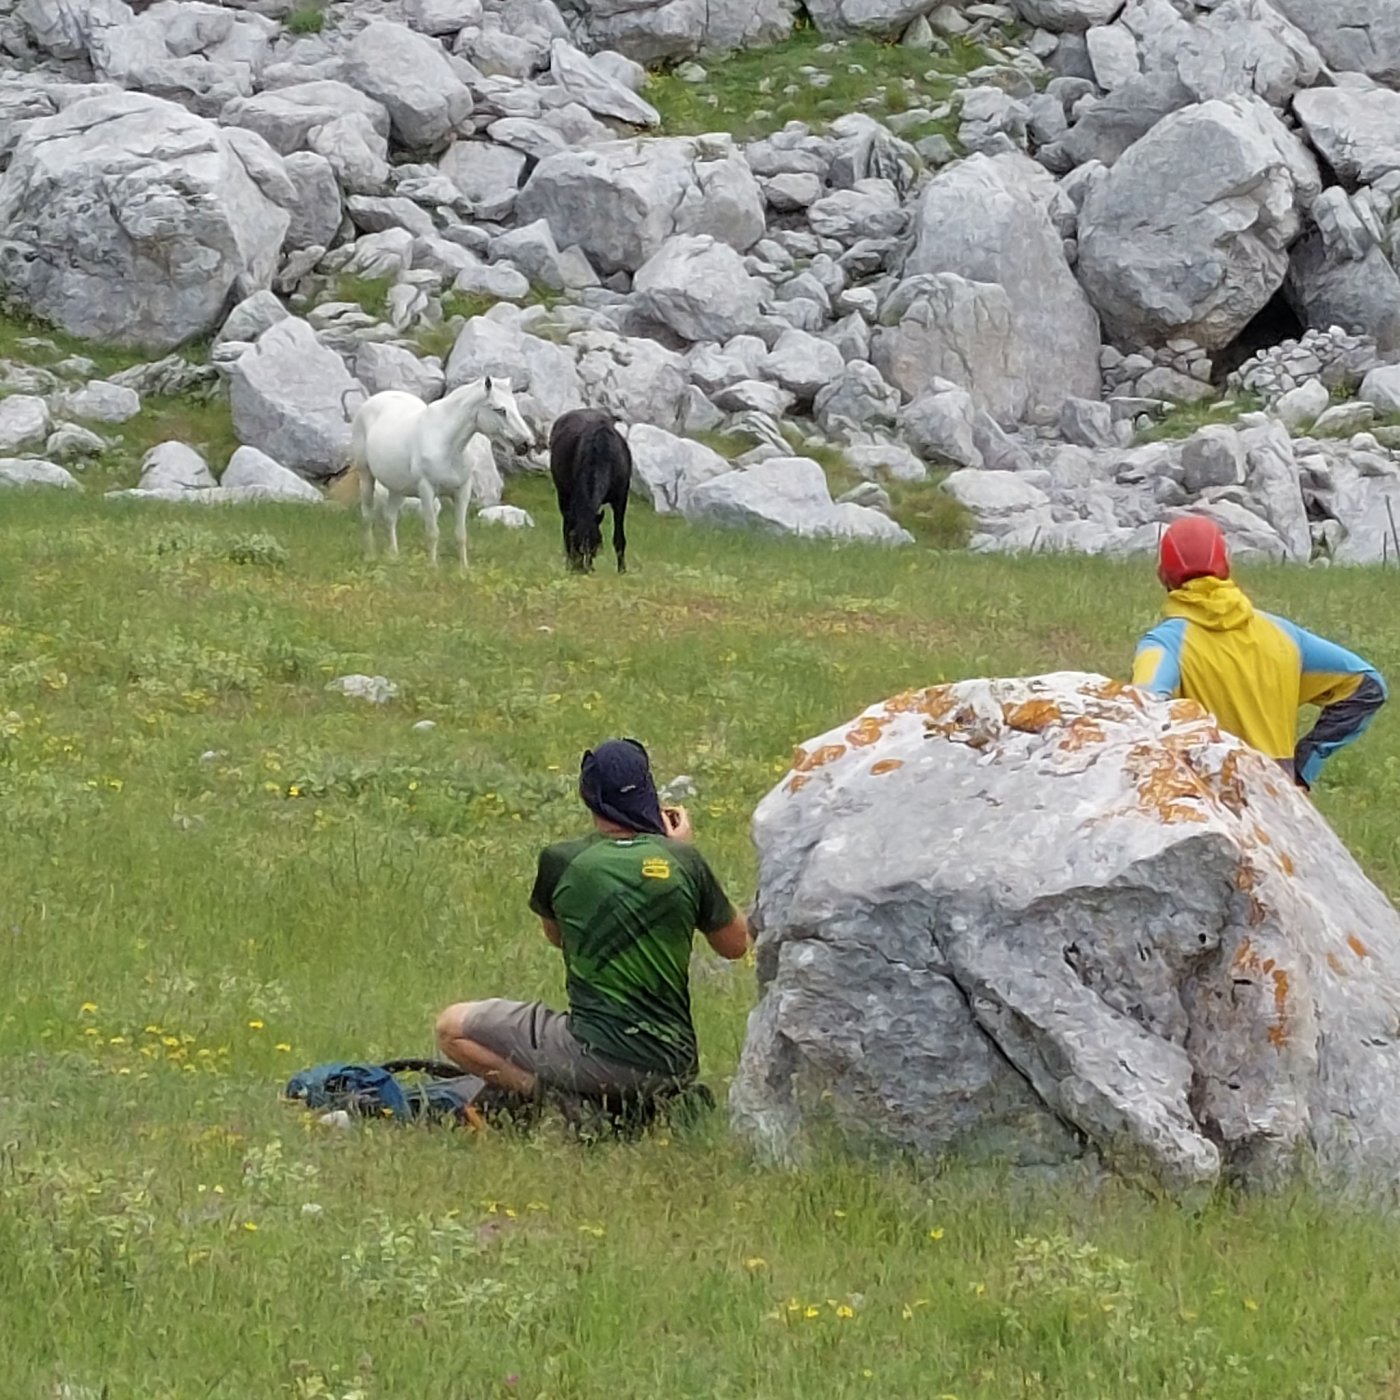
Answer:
[(628, 908)]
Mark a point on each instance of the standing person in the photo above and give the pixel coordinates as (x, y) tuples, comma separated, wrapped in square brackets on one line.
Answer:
[(622, 904), (1251, 670)]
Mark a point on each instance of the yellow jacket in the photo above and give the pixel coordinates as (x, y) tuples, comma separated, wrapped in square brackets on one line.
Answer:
[(1253, 671)]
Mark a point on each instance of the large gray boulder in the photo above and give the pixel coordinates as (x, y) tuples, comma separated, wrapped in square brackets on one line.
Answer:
[(985, 220), (1361, 36), (290, 397), (258, 477), (586, 83), (1357, 130), (787, 495), (1187, 235), (633, 378), (32, 471), (944, 327), (621, 200), (543, 374), (410, 75), (330, 118), (65, 28), (199, 55), (1182, 973), (126, 219), (1247, 46), (1067, 16), (652, 30), (1339, 273), (667, 468), (883, 17), (699, 288)]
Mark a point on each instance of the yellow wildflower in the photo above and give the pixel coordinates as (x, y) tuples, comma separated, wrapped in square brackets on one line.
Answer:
[(845, 1311), (1251, 1305), (936, 1234), (255, 1025), (754, 1264), (247, 1224), (281, 1045), (811, 1310), (87, 1008)]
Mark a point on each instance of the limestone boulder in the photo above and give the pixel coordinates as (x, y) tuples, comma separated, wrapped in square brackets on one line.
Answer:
[(1359, 36), (1187, 235), (258, 477), (1357, 130), (409, 74), (987, 220), (653, 30), (292, 397), (1179, 973), (588, 84), (619, 201), (667, 468), (787, 495), (880, 17), (128, 220), (1067, 16), (32, 471), (698, 287), (543, 374)]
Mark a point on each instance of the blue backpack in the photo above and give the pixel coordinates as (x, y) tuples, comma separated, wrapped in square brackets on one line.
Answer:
[(405, 1090)]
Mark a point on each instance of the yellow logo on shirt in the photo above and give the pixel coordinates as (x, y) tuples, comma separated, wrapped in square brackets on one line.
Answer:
[(655, 868)]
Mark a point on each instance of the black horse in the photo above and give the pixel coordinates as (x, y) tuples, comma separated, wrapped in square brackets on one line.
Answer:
[(592, 467)]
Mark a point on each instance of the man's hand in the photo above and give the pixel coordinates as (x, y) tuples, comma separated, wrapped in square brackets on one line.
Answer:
[(678, 826)]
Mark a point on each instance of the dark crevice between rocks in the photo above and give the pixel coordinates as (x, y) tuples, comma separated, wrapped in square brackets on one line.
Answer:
[(1277, 322)]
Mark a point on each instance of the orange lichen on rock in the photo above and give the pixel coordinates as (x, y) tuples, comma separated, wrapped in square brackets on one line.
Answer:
[(1336, 964), (1285, 863), (886, 765), (797, 782), (1245, 877), (1032, 716), (866, 732), (1278, 1032), (1187, 712), (804, 762), (1106, 690), (1080, 733), (1165, 785), (1229, 785), (1357, 946), (1262, 836)]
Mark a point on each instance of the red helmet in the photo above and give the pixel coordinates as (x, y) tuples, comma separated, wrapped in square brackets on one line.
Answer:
[(1192, 548)]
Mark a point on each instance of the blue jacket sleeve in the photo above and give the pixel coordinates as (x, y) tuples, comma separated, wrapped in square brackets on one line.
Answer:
[(1348, 690), (1157, 666)]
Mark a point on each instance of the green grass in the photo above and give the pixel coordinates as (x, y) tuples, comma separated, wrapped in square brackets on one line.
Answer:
[(216, 873), (1184, 419), (28, 340), (370, 294), (306, 19), (746, 93)]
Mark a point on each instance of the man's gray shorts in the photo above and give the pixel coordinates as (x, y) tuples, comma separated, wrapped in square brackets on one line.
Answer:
[(533, 1037)]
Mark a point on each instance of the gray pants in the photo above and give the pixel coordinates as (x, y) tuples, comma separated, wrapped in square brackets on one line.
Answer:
[(534, 1038)]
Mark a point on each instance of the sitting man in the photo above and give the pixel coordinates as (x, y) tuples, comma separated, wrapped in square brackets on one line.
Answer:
[(622, 904), (1251, 670)]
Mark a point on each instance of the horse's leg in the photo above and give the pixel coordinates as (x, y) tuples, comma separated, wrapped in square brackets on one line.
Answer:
[(428, 503), (619, 510), (460, 502), (393, 504), (366, 508)]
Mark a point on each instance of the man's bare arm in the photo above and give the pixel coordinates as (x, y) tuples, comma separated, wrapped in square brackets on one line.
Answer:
[(731, 941), (551, 932)]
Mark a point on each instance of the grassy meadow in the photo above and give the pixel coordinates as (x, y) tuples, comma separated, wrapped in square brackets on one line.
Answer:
[(215, 873)]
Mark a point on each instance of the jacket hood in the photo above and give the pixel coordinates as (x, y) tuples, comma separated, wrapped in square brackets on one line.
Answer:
[(1214, 603)]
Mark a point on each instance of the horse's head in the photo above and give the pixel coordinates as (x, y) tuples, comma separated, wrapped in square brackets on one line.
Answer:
[(583, 538), (501, 415)]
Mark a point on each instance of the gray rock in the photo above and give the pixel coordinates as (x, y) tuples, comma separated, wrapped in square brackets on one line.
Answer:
[(634, 379), (24, 420), (787, 193), (1113, 54), (379, 213), (251, 317), (1212, 456), (1072, 16), (438, 17), (376, 690), (30, 471), (787, 495), (1344, 419), (1365, 507), (64, 28), (175, 467), (71, 443), (488, 174), (620, 201), (870, 210), (1187, 235), (499, 281), (325, 117), (1088, 423), (1272, 489), (993, 495), (1107, 128), (544, 375), (983, 221), (667, 468), (1361, 36), (317, 210), (128, 220), (1381, 389), (884, 459), (883, 17), (286, 395), (1357, 130), (533, 250), (698, 287), (585, 82), (101, 401), (802, 363), (1108, 987), (1170, 386), (258, 477), (941, 426), (858, 402), (1302, 406), (1247, 46), (755, 396), (509, 517), (411, 77)]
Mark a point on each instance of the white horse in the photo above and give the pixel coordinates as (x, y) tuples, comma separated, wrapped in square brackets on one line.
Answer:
[(412, 448)]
